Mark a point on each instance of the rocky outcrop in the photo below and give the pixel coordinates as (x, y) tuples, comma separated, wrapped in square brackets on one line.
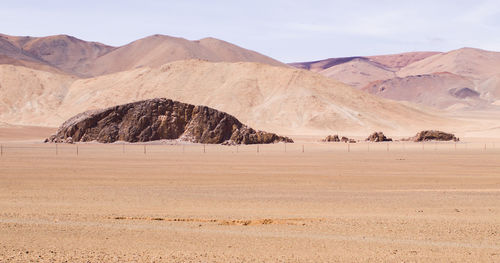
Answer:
[(433, 135), (158, 119), (335, 138), (378, 137), (331, 138)]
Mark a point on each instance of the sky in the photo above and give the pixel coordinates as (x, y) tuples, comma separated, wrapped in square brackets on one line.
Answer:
[(289, 31)]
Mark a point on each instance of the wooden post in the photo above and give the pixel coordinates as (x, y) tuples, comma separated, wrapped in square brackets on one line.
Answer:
[(204, 151), (56, 148), (144, 149), (257, 148), (348, 147), (123, 147), (77, 150), (455, 146)]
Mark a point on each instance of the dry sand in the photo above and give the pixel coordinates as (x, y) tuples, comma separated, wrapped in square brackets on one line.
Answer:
[(232, 204)]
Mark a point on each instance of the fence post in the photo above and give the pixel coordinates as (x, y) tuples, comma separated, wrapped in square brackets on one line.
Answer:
[(257, 148), (144, 149), (348, 147), (77, 150), (123, 147), (56, 148), (204, 148)]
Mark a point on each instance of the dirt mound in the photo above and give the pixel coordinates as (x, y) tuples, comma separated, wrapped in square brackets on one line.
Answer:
[(378, 137), (433, 135), (158, 119)]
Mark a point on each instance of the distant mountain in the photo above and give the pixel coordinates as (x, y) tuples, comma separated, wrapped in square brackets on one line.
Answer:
[(465, 79), (65, 53), (86, 59)]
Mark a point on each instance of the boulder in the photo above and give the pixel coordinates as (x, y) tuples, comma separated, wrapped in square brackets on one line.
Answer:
[(331, 138), (378, 137), (158, 119), (433, 135)]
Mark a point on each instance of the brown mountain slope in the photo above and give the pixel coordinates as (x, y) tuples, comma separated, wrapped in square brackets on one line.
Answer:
[(480, 66), (276, 99), (439, 90), (157, 50), (393, 62), (63, 52), (87, 59), (358, 72), (468, 62)]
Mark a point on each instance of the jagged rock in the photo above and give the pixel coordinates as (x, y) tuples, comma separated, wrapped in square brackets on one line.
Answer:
[(378, 137), (432, 135), (157, 119), (331, 138)]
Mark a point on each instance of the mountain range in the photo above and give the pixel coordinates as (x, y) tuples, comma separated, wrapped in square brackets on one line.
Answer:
[(46, 80)]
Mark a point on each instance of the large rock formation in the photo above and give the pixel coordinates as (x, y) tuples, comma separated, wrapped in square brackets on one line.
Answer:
[(158, 119), (378, 137), (433, 135)]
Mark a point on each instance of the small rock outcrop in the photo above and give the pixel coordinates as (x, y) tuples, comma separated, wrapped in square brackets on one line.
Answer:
[(335, 138), (433, 135), (331, 138), (158, 119), (378, 137)]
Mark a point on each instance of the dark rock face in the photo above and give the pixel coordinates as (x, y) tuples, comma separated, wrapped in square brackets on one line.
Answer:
[(378, 137), (158, 119), (335, 138), (434, 136), (331, 138)]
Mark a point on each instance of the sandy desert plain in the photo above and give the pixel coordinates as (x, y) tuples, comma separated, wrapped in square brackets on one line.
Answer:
[(385, 202)]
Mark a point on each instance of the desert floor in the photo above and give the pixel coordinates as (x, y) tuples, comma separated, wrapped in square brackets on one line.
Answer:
[(394, 202)]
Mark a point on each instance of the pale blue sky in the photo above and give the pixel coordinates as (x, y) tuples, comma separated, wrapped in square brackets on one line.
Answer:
[(286, 30)]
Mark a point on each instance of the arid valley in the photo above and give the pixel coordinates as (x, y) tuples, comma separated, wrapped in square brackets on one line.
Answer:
[(269, 131)]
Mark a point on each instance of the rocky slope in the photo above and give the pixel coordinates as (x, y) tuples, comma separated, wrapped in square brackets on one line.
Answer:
[(158, 119)]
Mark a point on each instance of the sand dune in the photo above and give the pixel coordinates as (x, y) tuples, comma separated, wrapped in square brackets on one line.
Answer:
[(277, 99)]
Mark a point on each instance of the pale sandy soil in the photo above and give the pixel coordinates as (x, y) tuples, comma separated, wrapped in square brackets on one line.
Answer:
[(112, 203)]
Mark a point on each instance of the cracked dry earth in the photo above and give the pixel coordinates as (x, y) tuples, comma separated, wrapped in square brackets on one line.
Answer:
[(237, 205)]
